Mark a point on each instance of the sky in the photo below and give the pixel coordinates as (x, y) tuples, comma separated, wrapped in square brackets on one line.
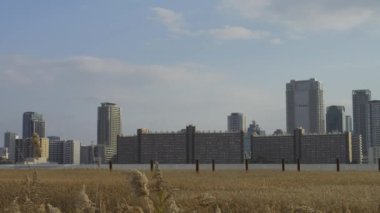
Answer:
[(169, 64)]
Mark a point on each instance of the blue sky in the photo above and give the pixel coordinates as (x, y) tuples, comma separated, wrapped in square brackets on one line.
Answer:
[(172, 63)]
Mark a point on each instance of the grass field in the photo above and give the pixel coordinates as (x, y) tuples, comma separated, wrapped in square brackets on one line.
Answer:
[(221, 191)]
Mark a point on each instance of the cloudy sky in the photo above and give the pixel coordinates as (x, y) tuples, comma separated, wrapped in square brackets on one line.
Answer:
[(172, 63)]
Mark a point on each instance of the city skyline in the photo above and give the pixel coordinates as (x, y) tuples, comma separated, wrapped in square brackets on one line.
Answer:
[(131, 132), (63, 59)]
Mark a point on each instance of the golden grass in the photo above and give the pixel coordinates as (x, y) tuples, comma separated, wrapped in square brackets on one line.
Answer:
[(235, 191)]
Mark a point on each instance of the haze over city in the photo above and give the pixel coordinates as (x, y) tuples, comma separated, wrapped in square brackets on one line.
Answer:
[(168, 64)]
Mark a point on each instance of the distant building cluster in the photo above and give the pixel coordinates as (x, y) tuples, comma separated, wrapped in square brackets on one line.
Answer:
[(311, 136)]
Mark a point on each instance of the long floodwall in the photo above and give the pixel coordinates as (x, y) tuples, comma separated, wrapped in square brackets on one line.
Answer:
[(181, 148), (307, 148)]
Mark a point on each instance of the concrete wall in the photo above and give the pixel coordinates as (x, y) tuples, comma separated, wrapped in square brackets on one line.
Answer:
[(165, 148), (312, 148), (221, 147), (127, 150), (325, 148), (272, 149), (181, 147)]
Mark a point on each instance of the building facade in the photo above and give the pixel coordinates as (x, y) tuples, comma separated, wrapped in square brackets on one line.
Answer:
[(182, 147), (308, 148), (24, 150), (236, 122), (64, 152), (304, 106), (9, 137), (374, 120), (357, 149), (87, 154), (33, 123), (71, 152), (361, 117), (56, 150), (109, 127), (10, 145), (335, 119)]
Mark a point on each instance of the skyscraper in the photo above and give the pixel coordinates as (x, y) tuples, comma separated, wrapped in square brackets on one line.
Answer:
[(335, 119), (10, 143), (236, 122), (109, 127), (348, 123), (304, 106), (374, 145), (33, 123), (360, 114), (9, 137)]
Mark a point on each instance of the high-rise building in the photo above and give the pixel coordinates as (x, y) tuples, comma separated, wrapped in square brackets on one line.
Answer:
[(10, 143), (335, 119), (33, 123), (374, 111), (360, 106), (304, 106), (9, 137), (348, 123), (236, 122), (109, 127)]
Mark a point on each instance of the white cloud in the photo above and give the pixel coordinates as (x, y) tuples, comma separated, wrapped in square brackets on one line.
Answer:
[(248, 8), (100, 65), (176, 24), (307, 16), (172, 20), (237, 33), (25, 70)]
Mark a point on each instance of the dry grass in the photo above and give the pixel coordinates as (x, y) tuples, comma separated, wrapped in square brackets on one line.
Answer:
[(228, 191)]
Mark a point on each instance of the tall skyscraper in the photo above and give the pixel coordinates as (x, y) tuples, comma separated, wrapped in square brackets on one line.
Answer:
[(10, 143), (236, 122), (360, 106), (335, 119), (109, 127), (33, 123), (9, 137), (374, 146), (304, 106), (348, 123)]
